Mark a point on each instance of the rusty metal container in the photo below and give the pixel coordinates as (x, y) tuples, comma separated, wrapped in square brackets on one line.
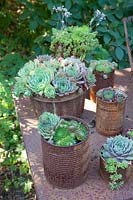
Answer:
[(72, 104), (109, 117), (105, 175), (101, 83), (66, 167)]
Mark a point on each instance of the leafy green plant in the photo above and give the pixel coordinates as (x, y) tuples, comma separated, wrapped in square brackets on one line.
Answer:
[(47, 76), (117, 153), (13, 156), (112, 94), (112, 166), (61, 132), (73, 40), (103, 66), (107, 21)]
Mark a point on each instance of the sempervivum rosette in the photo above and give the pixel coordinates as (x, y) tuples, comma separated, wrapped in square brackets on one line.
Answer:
[(119, 148), (64, 86), (39, 80), (73, 67), (47, 123)]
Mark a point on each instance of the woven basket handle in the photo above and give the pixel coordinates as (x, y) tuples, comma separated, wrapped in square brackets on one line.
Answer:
[(125, 20)]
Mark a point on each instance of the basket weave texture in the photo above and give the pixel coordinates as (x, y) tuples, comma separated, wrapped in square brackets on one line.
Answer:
[(72, 104), (66, 167), (109, 117)]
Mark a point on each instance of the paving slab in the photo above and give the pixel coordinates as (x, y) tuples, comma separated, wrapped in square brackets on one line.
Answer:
[(94, 188)]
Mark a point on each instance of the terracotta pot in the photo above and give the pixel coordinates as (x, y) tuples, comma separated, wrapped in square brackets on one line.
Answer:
[(101, 83), (109, 117), (66, 167), (105, 175), (72, 104)]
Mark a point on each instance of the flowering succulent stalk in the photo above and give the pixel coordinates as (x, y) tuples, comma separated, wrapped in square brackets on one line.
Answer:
[(63, 14)]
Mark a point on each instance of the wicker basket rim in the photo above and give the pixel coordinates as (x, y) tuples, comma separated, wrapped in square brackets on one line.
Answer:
[(59, 99)]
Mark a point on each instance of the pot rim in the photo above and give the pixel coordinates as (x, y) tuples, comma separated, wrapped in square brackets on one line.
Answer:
[(74, 145), (58, 99), (101, 73), (114, 102), (129, 162)]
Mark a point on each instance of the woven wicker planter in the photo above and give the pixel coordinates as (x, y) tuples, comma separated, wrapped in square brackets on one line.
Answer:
[(105, 175), (101, 83), (66, 167), (72, 104), (109, 117)]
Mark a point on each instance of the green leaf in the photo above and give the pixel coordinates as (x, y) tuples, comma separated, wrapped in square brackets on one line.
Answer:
[(33, 24), (119, 53), (68, 4), (119, 14), (107, 38), (27, 186), (102, 29)]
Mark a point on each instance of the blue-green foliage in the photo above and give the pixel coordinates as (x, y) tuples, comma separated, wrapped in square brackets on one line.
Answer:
[(119, 148)]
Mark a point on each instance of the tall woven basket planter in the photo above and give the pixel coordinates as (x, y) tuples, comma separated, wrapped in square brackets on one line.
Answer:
[(72, 104), (66, 167), (105, 175), (101, 83), (109, 117)]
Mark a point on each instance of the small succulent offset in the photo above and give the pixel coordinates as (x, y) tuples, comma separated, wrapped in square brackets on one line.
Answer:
[(103, 66), (49, 77), (118, 153), (113, 167), (130, 133), (60, 131), (112, 94)]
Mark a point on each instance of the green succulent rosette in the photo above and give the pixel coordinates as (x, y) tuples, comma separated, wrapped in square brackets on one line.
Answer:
[(119, 148), (64, 86), (49, 91), (47, 123), (28, 69), (39, 80)]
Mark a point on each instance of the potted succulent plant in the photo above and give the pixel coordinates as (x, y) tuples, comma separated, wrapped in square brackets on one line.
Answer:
[(78, 41), (65, 147), (116, 158), (57, 86), (110, 111), (104, 73)]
